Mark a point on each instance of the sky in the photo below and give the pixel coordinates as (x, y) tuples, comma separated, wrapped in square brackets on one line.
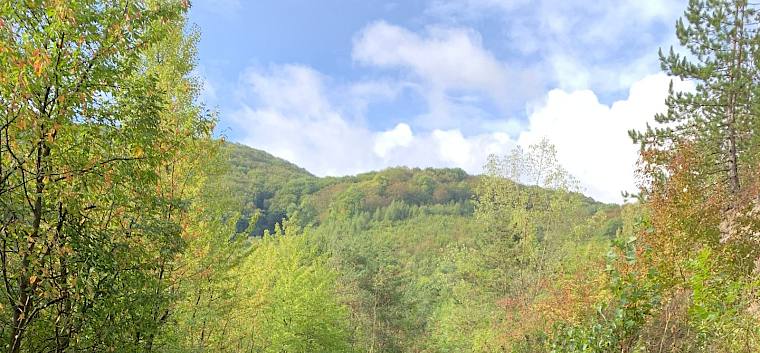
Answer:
[(342, 87)]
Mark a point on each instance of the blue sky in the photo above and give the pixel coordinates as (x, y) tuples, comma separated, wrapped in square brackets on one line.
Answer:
[(346, 86)]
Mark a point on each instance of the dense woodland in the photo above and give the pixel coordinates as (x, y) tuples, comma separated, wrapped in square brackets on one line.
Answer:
[(128, 226)]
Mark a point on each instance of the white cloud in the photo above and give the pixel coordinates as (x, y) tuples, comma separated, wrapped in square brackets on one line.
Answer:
[(470, 152), (450, 68), (356, 97), (445, 57), (293, 117), (400, 136), (453, 146), (591, 137), (292, 89), (601, 22)]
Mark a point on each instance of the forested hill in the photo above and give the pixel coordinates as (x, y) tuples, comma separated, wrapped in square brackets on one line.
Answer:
[(270, 189), (405, 245)]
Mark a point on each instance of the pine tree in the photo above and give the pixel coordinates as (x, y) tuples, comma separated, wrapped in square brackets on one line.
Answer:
[(718, 118)]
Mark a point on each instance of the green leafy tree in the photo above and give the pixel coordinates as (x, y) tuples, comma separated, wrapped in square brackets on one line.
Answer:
[(497, 292), (285, 299), (97, 119)]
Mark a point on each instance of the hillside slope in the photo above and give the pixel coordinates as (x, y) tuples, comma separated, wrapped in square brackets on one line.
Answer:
[(276, 189)]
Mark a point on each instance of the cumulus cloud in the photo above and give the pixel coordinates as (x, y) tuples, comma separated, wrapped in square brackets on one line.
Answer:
[(591, 137), (400, 136), (470, 152), (293, 119), (291, 89)]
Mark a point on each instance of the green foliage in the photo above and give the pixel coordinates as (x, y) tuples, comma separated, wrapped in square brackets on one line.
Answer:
[(267, 186), (701, 167), (100, 134), (618, 323), (495, 288), (290, 299), (717, 307), (389, 271), (277, 190), (125, 227)]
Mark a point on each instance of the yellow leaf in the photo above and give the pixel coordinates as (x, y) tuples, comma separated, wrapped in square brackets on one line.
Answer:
[(32, 279), (37, 65), (52, 133)]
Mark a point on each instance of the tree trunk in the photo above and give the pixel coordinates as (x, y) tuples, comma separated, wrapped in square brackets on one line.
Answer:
[(733, 159)]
